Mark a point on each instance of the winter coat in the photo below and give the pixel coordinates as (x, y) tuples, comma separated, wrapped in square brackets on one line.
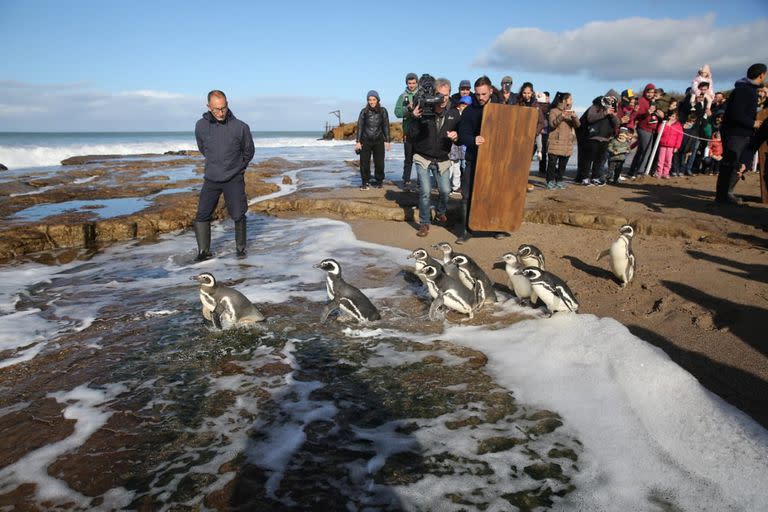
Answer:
[(643, 120), (741, 109), (373, 126), (617, 150), (601, 125), (428, 135), (562, 136), (672, 136), (227, 146), (715, 147), (402, 111)]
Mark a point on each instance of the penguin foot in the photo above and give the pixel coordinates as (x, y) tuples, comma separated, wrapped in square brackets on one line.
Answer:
[(240, 254)]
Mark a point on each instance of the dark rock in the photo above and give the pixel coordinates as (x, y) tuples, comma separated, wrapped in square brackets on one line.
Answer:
[(3, 168)]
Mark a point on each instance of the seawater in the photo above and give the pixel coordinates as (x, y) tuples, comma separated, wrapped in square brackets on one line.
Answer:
[(572, 411)]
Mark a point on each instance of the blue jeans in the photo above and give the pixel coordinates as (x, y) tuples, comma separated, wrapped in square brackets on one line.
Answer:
[(443, 180), (689, 163)]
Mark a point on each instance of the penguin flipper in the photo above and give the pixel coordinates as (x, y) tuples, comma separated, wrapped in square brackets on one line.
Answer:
[(435, 307), (328, 310), (603, 254), (216, 318)]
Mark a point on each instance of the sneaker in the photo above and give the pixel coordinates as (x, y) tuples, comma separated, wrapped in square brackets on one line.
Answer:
[(622, 178), (561, 185), (423, 230), (530, 187), (501, 234), (633, 178), (455, 194), (464, 238), (440, 220), (586, 183), (551, 185), (365, 187)]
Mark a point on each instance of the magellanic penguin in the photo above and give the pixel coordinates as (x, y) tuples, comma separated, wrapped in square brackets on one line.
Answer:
[(344, 296), (450, 293), (225, 306), (551, 290), (449, 267), (471, 273), (520, 284), (530, 256), (622, 256), (422, 259)]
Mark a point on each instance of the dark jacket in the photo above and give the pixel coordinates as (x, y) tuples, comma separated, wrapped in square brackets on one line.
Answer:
[(227, 146), (469, 128), (373, 126), (741, 109), (601, 125), (428, 135)]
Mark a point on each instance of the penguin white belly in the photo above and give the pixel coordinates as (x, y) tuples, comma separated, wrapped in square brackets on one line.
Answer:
[(466, 279), (209, 304), (329, 288), (432, 289), (521, 285), (619, 260), (553, 302), (456, 303), (418, 266), (530, 261)]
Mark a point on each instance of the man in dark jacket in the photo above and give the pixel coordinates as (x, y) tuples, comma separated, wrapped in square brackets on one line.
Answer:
[(432, 138), (469, 136), (738, 126), (227, 145)]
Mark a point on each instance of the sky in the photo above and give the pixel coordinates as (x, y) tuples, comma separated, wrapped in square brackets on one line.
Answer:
[(147, 66)]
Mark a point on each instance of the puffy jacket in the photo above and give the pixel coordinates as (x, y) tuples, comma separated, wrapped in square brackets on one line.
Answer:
[(716, 147), (601, 125), (561, 133), (428, 135), (741, 109), (372, 125), (672, 136), (227, 146)]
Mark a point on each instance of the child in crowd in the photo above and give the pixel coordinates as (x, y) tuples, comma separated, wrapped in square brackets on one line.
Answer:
[(703, 76), (670, 141), (618, 148), (712, 162), (457, 154), (562, 123)]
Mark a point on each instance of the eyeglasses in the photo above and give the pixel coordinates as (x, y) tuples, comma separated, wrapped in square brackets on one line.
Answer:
[(220, 110)]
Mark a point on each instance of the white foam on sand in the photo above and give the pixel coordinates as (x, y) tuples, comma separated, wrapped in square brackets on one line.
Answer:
[(89, 408), (648, 427)]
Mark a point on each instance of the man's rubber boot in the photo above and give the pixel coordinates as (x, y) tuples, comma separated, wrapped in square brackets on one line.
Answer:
[(203, 235), (240, 237), (464, 236)]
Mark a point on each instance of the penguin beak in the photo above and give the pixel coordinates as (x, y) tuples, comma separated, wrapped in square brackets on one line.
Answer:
[(195, 278), (410, 256), (316, 265)]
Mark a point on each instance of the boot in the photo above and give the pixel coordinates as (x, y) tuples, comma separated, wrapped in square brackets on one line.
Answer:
[(203, 235), (240, 237), (464, 235)]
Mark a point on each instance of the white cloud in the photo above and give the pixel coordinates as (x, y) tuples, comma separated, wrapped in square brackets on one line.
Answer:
[(633, 48), (155, 95)]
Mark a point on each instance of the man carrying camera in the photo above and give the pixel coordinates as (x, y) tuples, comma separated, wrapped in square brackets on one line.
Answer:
[(432, 131)]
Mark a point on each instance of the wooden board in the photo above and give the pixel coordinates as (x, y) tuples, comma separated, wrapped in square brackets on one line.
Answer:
[(762, 157), (503, 164)]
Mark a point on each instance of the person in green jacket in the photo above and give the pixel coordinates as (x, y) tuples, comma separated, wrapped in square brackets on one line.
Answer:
[(404, 111)]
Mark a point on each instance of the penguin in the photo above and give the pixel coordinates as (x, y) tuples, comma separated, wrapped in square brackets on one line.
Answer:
[(225, 306), (449, 267), (422, 259), (621, 254), (551, 290), (450, 293), (520, 284), (470, 273), (344, 296), (530, 256)]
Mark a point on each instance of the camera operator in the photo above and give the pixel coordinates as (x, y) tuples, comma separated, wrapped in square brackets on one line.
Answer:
[(432, 136)]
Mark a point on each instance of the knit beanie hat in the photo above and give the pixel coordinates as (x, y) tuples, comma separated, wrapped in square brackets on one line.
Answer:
[(374, 94), (411, 76)]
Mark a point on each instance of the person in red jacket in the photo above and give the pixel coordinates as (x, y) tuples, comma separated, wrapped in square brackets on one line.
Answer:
[(670, 141), (712, 162), (647, 119)]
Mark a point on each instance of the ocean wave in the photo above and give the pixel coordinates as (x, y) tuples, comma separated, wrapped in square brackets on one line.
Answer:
[(23, 156)]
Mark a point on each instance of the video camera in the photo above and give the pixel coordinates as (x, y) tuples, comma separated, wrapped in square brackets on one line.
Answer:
[(608, 102), (426, 97)]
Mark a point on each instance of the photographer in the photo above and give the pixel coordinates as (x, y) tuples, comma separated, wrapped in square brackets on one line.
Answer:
[(403, 111), (647, 122), (602, 123), (432, 131)]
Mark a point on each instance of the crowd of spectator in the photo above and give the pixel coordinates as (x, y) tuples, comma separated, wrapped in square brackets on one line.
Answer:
[(671, 135)]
